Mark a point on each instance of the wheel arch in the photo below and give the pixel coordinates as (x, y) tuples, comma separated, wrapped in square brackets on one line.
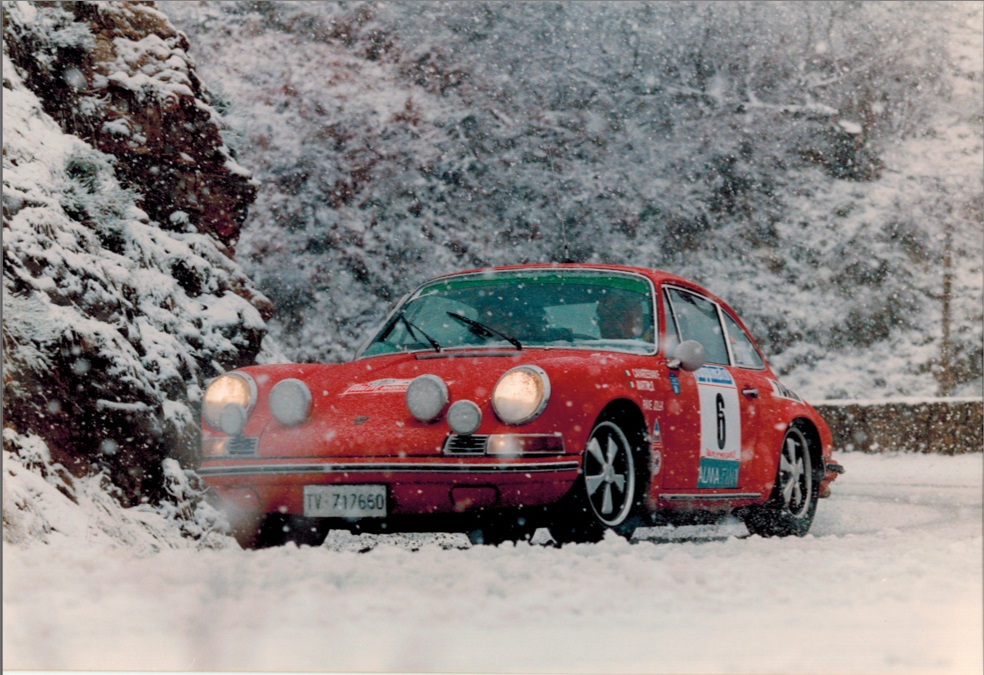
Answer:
[(812, 434), (775, 517), (630, 420), (627, 416)]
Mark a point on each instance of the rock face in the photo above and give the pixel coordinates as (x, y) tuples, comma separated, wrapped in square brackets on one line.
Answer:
[(945, 426), (117, 74), (121, 209)]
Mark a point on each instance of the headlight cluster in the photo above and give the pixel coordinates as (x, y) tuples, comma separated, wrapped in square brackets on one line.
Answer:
[(290, 402), (228, 402), (519, 396), (230, 399), (426, 397), (464, 417)]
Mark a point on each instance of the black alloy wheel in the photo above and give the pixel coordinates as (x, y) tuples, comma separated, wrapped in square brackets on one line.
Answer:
[(607, 495), (793, 502)]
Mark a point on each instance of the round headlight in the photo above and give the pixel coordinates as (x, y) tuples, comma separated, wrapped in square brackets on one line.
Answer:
[(232, 420), (464, 417), (426, 397), (231, 388), (521, 394), (290, 402)]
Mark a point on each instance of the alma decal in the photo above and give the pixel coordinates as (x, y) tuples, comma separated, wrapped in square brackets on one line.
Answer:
[(720, 428)]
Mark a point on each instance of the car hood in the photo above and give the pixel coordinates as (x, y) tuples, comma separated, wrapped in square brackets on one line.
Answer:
[(359, 408)]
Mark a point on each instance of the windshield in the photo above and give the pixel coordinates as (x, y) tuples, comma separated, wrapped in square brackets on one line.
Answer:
[(518, 309)]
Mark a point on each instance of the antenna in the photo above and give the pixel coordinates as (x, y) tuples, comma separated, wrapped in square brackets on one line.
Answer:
[(563, 236)]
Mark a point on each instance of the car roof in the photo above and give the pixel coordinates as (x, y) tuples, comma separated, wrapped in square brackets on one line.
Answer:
[(657, 276)]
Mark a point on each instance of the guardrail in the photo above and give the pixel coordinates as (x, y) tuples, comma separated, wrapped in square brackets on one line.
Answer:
[(948, 426)]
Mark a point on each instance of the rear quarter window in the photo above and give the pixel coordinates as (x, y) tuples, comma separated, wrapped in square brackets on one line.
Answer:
[(742, 347), (697, 319)]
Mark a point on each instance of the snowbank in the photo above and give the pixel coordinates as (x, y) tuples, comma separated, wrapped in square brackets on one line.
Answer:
[(889, 581), (43, 503)]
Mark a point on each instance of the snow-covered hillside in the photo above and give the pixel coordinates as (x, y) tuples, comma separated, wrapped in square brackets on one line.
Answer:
[(804, 160)]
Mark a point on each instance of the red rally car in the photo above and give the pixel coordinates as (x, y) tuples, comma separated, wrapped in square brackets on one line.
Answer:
[(580, 398)]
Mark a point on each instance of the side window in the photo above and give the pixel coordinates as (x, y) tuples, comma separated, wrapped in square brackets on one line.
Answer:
[(746, 356), (697, 319)]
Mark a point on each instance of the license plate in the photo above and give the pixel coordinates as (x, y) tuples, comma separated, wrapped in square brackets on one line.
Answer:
[(345, 501)]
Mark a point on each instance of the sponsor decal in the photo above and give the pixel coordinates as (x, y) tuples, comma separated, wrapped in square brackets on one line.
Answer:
[(780, 390), (714, 375), (720, 428), (657, 436), (716, 473), (652, 405), (655, 461), (675, 383), (385, 386)]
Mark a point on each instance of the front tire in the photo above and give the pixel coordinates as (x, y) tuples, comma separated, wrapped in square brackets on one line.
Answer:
[(607, 495), (792, 505), (279, 529), (507, 527), (501, 533)]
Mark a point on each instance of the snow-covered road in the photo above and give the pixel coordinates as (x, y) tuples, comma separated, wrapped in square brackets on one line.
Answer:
[(889, 581)]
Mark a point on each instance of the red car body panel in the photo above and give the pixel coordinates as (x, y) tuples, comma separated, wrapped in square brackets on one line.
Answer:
[(360, 432)]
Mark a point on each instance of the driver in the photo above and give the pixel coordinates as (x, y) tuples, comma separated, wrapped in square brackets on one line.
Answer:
[(622, 316)]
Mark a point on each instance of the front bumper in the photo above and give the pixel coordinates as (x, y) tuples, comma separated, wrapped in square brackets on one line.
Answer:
[(414, 486), (832, 469)]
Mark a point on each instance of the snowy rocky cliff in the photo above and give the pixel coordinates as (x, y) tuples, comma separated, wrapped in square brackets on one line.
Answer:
[(121, 208)]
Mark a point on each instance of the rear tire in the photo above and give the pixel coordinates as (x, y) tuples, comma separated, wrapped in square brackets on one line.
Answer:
[(607, 494), (792, 505)]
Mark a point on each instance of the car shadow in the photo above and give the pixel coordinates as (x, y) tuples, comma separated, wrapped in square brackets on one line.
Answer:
[(690, 534)]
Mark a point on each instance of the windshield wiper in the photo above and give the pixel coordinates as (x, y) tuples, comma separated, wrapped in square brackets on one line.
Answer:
[(485, 331), (413, 329)]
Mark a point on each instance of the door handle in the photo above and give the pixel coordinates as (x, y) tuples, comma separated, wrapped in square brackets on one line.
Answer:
[(750, 392)]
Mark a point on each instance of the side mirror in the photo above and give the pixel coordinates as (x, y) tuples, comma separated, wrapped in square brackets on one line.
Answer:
[(688, 355)]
